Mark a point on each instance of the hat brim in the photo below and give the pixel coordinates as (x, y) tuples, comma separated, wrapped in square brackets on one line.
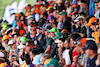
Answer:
[(57, 37), (85, 48), (57, 41), (21, 46), (76, 20), (47, 19)]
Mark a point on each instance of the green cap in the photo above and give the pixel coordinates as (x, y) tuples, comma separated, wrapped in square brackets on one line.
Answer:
[(54, 30), (23, 39), (63, 13), (4, 26), (51, 62), (58, 35), (49, 8)]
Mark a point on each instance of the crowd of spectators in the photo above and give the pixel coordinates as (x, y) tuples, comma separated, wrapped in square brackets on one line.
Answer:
[(52, 33)]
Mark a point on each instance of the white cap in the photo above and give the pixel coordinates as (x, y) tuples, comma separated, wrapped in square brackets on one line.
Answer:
[(2, 54), (30, 16), (21, 46), (79, 17), (57, 41), (10, 42)]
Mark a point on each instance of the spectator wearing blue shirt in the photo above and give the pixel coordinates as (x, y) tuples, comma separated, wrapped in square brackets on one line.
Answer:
[(91, 51)]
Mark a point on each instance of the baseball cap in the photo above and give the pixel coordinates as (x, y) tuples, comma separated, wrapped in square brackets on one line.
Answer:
[(6, 66), (21, 46), (10, 42), (81, 42), (36, 60), (51, 62), (3, 64), (92, 20), (29, 17), (57, 41), (4, 26), (90, 44), (2, 54), (9, 30), (54, 30), (23, 39), (13, 33), (48, 26), (50, 7), (64, 31), (44, 54), (74, 2), (58, 35), (50, 17), (79, 18), (5, 37), (75, 12), (63, 13)]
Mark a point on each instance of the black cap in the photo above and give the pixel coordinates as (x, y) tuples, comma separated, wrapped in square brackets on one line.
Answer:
[(90, 44)]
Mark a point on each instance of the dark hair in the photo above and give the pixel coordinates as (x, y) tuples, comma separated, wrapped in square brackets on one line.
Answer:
[(29, 5), (83, 1), (36, 51), (51, 11), (62, 39), (75, 35), (88, 17), (83, 14), (67, 40)]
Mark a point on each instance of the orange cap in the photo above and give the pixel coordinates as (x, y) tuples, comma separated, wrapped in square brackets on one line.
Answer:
[(91, 20), (16, 14), (3, 64), (64, 31), (5, 37), (83, 40), (37, 11)]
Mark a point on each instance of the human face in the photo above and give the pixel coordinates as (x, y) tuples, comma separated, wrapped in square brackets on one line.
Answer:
[(74, 6), (43, 58), (78, 49), (66, 5), (6, 41), (93, 27), (97, 5), (66, 45), (52, 34), (73, 17), (46, 33), (38, 31), (71, 42), (85, 24), (31, 56), (78, 23), (98, 53), (60, 44), (51, 20), (88, 52)]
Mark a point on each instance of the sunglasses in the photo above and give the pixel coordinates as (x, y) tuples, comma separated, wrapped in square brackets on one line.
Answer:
[(96, 5)]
